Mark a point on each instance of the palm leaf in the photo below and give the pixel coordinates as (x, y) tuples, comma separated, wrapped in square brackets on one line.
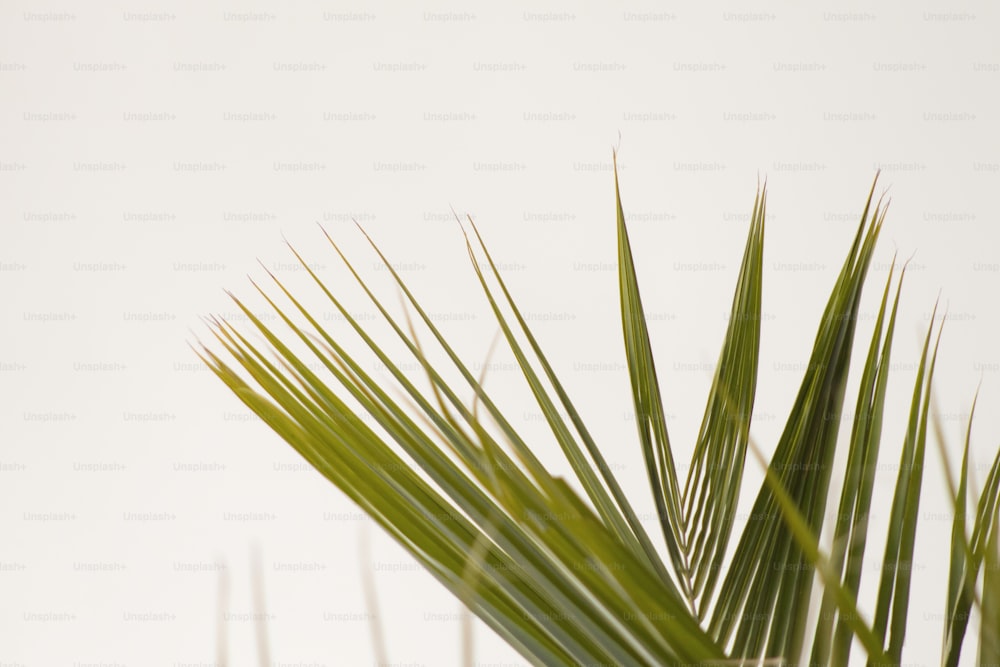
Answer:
[(563, 569)]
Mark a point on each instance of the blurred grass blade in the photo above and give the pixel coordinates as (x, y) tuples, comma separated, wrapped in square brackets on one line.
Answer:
[(260, 609), (989, 626), (222, 604), (371, 599)]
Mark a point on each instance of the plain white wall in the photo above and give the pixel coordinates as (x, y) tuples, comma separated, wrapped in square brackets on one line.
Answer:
[(149, 154)]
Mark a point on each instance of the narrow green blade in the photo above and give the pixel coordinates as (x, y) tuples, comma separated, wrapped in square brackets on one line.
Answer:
[(711, 492), (649, 415), (851, 529)]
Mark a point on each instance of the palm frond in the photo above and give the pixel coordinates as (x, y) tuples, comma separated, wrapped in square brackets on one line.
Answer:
[(563, 569)]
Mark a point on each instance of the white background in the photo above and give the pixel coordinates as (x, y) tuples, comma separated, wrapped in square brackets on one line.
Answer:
[(151, 153)]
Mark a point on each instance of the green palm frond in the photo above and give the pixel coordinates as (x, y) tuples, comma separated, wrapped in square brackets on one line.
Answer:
[(563, 569)]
